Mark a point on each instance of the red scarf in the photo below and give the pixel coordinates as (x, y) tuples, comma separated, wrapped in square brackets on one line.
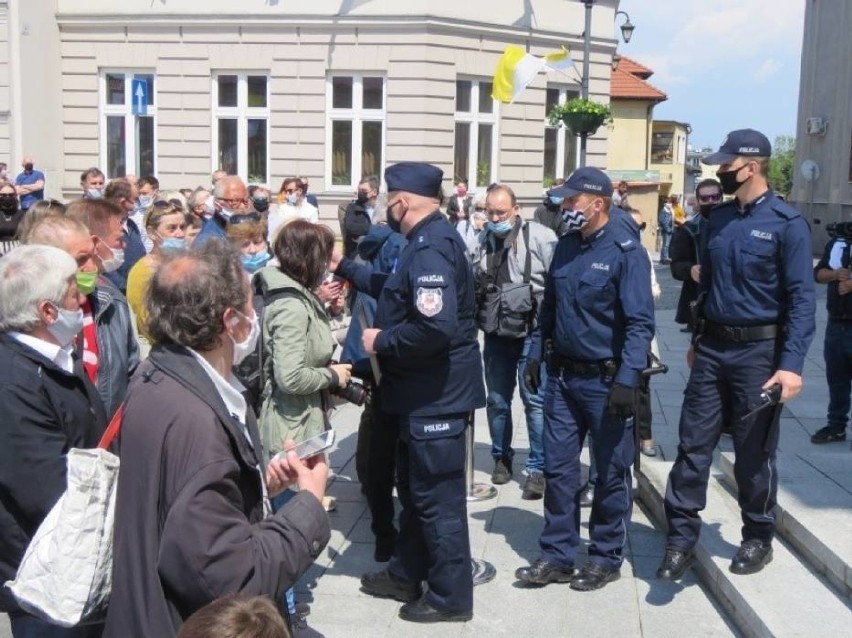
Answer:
[(90, 343)]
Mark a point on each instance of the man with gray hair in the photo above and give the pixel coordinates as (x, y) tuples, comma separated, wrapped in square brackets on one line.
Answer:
[(230, 198), (108, 347), (48, 406)]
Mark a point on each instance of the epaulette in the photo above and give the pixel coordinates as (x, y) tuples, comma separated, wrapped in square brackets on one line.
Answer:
[(627, 245), (783, 209)]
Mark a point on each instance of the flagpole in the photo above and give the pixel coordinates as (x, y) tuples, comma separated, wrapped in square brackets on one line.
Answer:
[(584, 84)]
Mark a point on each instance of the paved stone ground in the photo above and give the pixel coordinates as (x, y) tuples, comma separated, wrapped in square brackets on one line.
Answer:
[(504, 531)]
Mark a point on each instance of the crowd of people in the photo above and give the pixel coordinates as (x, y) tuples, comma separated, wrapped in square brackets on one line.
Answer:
[(217, 318)]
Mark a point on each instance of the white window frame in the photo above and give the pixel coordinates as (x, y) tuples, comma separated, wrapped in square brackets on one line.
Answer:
[(126, 110), (242, 113), (562, 132), (357, 115), (475, 118)]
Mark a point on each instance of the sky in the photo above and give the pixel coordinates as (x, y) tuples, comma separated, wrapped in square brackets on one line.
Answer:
[(725, 64)]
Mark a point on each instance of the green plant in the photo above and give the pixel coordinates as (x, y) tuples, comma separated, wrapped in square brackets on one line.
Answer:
[(483, 174), (782, 164), (580, 105)]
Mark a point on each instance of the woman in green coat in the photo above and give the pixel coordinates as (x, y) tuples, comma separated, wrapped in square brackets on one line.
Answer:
[(297, 340)]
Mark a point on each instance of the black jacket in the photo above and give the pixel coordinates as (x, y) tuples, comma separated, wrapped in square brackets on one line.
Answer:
[(683, 252), (189, 523), (356, 224), (453, 208), (45, 412)]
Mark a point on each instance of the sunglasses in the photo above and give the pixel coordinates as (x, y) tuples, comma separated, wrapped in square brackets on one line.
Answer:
[(710, 198), (244, 219), (162, 204)]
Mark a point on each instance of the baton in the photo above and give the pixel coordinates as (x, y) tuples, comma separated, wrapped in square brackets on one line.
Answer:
[(374, 362), (769, 397), (656, 367)]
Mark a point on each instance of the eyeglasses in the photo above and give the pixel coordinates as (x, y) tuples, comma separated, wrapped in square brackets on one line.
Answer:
[(290, 190), (163, 205), (710, 198), (244, 219)]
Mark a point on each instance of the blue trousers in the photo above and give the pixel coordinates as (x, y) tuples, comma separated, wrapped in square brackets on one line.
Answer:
[(726, 379), (505, 359), (838, 372), (573, 407), (665, 240), (433, 542)]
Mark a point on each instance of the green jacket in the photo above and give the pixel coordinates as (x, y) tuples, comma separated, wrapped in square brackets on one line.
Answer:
[(297, 347)]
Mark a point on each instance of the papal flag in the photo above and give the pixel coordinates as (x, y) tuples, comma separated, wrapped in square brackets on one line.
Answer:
[(517, 68)]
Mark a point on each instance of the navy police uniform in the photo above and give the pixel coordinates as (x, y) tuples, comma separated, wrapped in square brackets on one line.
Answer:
[(598, 313), (758, 317), (432, 379)]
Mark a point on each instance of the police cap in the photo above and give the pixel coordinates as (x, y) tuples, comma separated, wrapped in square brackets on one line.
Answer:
[(584, 180), (745, 142), (414, 177)]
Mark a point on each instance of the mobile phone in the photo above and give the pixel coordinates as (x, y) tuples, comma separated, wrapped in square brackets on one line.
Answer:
[(310, 447)]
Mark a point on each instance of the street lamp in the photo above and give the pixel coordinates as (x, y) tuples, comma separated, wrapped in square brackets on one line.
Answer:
[(627, 27), (626, 33)]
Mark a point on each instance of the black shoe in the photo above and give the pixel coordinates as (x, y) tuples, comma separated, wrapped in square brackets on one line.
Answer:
[(543, 573), (752, 556), (594, 576), (533, 487), (686, 329), (384, 548), (675, 563), (421, 611), (502, 473), (828, 435), (299, 627), (588, 496), (383, 584)]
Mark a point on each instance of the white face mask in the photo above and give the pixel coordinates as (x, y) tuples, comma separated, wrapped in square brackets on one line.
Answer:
[(243, 349), (113, 263), (293, 199), (145, 201), (209, 206), (94, 193), (68, 325)]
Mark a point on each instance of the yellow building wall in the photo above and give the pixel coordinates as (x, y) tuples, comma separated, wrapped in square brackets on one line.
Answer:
[(672, 173), (629, 137)]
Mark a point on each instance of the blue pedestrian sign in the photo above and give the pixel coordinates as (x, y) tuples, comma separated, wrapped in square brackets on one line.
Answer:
[(139, 96)]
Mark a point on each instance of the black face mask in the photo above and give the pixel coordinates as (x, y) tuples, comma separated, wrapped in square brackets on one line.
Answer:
[(394, 225), (261, 204), (8, 203), (728, 180), (362, 198), (704, 209), (28, 167)]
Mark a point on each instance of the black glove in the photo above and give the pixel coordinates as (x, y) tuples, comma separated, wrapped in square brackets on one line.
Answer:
[(532, 375), (622, 401)]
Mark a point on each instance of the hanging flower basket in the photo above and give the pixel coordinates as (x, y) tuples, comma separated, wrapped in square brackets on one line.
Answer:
[(580, 116)]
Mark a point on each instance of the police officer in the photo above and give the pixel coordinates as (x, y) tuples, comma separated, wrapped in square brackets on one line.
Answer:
[(834, 269), (598, 313), (425, 340), (755, 326)]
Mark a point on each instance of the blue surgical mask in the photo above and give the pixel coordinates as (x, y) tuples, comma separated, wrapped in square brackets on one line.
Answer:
[(145, 201), (292, 198), (173, 244), (253, 263), (94, 193), (556, 200), (500, 229)]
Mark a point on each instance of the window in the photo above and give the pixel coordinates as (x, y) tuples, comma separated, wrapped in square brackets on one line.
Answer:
[(560, 146), (241, 125), (662, 147), (475, 159), (355, 131), (127, 126)]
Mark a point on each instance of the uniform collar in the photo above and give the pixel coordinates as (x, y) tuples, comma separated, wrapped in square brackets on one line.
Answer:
[(757, 201), (50, 351), (596, 236), (431, 217)]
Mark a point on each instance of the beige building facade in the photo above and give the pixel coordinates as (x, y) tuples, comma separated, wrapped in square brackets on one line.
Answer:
[(180, 88), (822, 183)]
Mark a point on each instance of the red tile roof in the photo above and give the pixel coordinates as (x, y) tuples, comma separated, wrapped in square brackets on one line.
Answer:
[(627, 86), (634, 68)]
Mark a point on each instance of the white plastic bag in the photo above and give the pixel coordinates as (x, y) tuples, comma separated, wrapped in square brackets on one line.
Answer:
[(65, 576)]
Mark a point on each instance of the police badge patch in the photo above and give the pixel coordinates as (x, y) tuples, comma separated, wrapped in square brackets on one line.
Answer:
[(430, 301)]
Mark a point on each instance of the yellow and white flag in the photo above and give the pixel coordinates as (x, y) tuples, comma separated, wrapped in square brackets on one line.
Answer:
[(517, 68)]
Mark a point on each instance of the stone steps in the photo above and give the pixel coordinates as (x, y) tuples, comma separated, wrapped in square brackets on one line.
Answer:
[(787, 598), (809, 508)]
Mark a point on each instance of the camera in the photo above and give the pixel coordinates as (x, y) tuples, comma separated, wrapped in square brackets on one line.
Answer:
[(840, 229), (353, 392)]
